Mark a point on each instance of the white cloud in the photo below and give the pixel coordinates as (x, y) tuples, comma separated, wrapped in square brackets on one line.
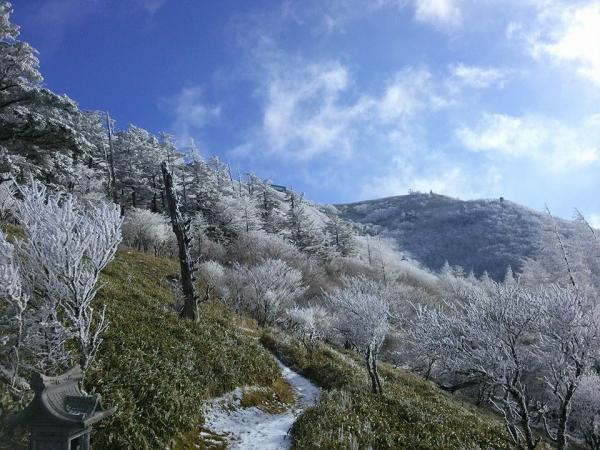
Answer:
[(149, 6), (404, 178), (312, 109), (409, 92), (54, 18), (579, 41), (477, 77), (567, 32), (434, 173), (302, 114), (438, 12), (190, 112), (547, 141)]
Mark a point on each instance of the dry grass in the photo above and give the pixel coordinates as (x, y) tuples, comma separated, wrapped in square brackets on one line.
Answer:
[(274, 399)]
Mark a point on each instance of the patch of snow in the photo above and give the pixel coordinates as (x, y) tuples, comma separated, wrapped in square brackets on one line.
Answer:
[(253, 429)]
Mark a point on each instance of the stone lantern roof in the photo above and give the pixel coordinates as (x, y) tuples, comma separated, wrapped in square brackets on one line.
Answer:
[(60, 402)]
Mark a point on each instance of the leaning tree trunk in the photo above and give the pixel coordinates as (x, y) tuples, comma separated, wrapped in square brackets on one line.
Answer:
[(181, 228), (111, 164), (370, 371), (376, 373), (371, 360)]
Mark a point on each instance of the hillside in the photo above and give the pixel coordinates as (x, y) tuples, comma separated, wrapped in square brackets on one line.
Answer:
[(160, 370), (156, 368), (478, 235)]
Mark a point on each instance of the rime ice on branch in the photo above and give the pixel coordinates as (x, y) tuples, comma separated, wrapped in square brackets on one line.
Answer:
[(48, 285)]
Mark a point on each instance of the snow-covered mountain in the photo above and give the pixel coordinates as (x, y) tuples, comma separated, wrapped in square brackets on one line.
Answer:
[(479, 235)]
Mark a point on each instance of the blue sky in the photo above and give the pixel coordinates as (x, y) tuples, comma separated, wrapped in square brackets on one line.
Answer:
[(349, 99)]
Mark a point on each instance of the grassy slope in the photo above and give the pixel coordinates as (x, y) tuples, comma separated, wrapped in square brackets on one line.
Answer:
[(157, 368), (413, 414)]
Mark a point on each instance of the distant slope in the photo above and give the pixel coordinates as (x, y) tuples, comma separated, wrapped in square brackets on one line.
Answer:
[(479, 235)]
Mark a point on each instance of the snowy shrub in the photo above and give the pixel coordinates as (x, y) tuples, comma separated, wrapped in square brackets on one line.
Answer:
[(212, 275), (213, 251), (347, 266), (526, 350), (145, 230), (265, 291), (309, 323), (408, 272), (489, 337), (256, 245)]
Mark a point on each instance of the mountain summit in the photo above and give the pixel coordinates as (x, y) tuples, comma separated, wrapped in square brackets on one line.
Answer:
[(479, 235)]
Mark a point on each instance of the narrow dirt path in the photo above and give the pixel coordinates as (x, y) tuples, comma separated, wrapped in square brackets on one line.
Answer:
[(253, 429)]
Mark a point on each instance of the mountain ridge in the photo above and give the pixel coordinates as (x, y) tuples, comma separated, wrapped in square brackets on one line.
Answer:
[(483, 235)]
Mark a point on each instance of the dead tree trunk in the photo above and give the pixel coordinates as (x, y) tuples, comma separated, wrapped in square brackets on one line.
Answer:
[(181, 228), (111, 163)]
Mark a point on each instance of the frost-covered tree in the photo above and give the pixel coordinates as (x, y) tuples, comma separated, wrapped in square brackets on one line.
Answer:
[(145, 230), (340, 236), (66, 246), (363, 311), (266, 290), (301, 228), (203, 186), (18, 60), (586, 410), (13, 320), (209, 192), (571, 344), (137, 156), (43, 133), (198, 227), (268, 204), (309, 323), (236, 215), (490, 337), (424, 347)]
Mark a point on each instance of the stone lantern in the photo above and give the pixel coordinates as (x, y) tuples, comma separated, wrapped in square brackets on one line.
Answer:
[(61, 415)]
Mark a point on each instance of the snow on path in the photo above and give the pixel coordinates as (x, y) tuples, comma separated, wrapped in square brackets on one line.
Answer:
[(253, 429)]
